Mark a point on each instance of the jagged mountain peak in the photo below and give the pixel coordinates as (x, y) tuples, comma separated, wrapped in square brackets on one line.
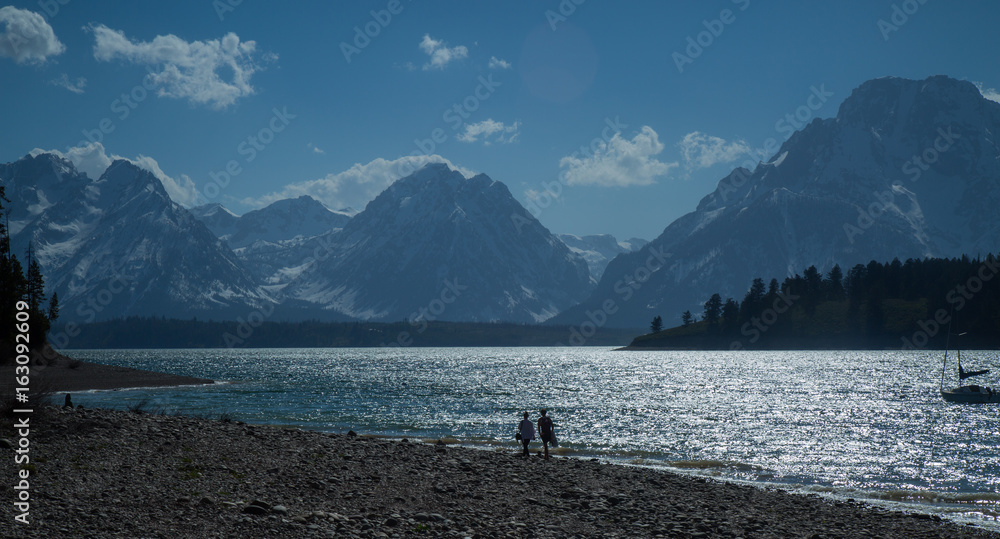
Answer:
[(212, 209), (907, 169), (886, 102), (122, 233), (435, 229)]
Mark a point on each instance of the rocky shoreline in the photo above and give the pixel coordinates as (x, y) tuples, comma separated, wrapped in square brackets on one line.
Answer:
[(103, 473)]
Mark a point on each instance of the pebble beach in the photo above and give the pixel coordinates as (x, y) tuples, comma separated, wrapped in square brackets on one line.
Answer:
[(103, 473)]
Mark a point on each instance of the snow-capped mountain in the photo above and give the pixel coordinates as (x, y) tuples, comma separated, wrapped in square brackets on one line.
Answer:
[(119, 246), (273, 242), (599, 249), (217, 218), (289, 219), (437, 245), (906, 169)]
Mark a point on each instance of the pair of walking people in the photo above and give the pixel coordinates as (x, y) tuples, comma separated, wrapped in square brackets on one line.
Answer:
[(526, 432)]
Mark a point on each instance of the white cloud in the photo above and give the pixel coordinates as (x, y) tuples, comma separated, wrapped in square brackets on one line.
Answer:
[(312, 147), (356, 186), (76, 86), (26, 37), (619, 162), (440, 54), (989, 93), (186, 70), (505, 134), (498, 63), (702, 151), (93, 160)]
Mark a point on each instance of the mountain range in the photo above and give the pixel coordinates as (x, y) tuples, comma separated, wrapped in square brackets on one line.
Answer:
[(434, 246), (906, 169)]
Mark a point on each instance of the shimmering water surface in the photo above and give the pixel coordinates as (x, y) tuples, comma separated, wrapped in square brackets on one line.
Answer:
[(867, 425)]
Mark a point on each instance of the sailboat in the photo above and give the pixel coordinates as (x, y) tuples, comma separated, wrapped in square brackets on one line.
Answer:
[(968, 394)]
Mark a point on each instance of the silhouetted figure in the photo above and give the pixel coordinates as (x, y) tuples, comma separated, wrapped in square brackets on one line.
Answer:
[(545, 431), (526, 432), (68, 403)]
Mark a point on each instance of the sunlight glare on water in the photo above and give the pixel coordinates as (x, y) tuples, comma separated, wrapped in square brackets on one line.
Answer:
[(869, 422)]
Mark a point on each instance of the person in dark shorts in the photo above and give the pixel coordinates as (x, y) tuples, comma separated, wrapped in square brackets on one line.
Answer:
[(527, 432), (545, 431)]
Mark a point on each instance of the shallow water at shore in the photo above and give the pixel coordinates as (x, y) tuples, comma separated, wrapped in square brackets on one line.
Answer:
[(867, 425)]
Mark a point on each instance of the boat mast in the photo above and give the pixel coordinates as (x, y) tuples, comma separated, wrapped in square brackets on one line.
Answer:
[(947, 341), (944, 362)]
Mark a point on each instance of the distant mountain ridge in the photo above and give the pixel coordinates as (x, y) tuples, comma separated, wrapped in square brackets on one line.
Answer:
[(599, 249), (302, 217), (118, 245), (906, 169)]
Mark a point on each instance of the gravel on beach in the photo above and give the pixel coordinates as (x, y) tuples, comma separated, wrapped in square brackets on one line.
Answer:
[(102, 473)]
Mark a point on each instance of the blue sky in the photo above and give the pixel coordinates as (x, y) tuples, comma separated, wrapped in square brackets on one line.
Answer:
[(601, 117)]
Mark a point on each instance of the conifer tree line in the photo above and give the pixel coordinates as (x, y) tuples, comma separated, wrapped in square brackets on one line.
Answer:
[(877, 302), (22, 283)]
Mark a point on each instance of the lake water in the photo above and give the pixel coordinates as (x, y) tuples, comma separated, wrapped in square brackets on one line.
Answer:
[(864, 425)]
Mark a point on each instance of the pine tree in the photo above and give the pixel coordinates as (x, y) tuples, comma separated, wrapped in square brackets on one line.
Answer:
[(687, 318), (53, 307), (35, 293), (713, 309), (657, 325)]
